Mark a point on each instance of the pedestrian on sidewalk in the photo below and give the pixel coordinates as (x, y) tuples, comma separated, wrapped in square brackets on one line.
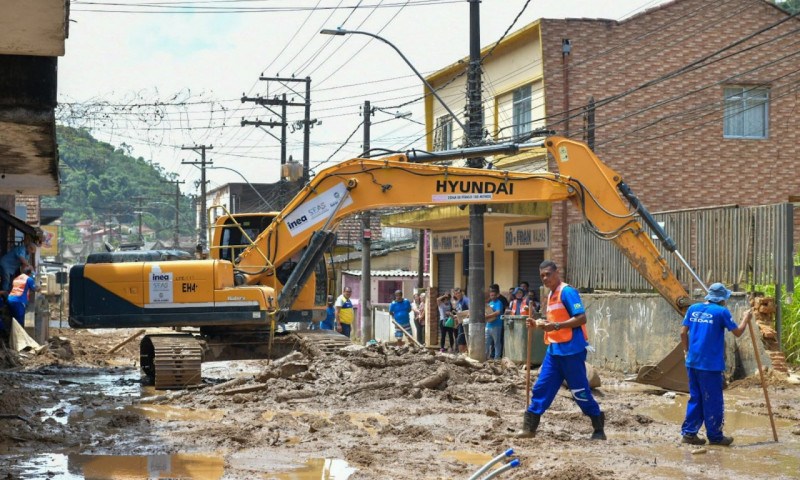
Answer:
[(18, 297), (703, 339), (461, 304), (344, 312), (400, 311), (330, 316), (565, 358), (494, 327), (418, 307), (15, 261), (446, 323)]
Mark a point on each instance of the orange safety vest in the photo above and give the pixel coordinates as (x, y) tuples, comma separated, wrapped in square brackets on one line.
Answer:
[(523, 310), (18, 285), (557, 312)]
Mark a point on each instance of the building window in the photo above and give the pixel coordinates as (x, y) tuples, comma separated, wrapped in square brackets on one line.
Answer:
[(443, 137), (522, 111), (746, 112)]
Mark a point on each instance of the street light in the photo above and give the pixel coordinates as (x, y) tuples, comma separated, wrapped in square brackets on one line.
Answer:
[(341, 31)]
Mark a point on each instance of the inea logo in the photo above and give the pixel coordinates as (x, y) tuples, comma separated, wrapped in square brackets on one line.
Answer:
[(296, 223), (160, 277)]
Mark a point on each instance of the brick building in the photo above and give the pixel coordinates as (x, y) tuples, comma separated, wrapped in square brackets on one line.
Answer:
[(696, 105), (685, 142)]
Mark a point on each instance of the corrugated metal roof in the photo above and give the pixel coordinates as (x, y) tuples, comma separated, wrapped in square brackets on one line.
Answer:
[(386, 273)]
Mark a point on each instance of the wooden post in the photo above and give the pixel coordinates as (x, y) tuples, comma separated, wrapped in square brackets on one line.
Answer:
[(761, 374)]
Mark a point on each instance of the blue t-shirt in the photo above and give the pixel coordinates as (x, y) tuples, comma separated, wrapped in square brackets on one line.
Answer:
[(10, 261), (330, 319), (461, 305), (572, 302), (707, 323), (496, 305), (401, 311)]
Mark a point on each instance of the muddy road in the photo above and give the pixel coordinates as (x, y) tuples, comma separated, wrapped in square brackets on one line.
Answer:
[(358, 413)]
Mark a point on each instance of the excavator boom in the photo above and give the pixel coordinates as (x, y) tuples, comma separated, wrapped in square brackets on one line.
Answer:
[(367, 184)]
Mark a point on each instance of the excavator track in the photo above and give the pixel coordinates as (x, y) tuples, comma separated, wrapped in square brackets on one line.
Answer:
[(172, 360), (321, 342)]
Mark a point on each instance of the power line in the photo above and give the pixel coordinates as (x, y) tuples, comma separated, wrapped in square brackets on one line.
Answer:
[(143, 8)]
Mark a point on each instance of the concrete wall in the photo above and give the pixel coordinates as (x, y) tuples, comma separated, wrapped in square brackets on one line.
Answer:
[(629, 331)]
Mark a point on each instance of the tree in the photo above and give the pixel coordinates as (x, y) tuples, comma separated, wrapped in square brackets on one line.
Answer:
[(100, 182), (791, 6)]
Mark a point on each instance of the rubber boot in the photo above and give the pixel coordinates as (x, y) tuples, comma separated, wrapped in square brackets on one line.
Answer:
[(530, 422), (599, 423)]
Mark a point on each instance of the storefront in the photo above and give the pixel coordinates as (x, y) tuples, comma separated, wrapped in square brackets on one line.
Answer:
[(448, 250)]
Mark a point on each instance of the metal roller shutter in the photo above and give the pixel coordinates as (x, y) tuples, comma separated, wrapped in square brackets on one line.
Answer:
[(528, 267), (446, 265)]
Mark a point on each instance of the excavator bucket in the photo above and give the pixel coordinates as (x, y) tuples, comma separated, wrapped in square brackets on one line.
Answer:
[(669, 373)]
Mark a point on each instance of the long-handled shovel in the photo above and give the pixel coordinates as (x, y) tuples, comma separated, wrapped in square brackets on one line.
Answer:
[(761, 374), (528, 369)]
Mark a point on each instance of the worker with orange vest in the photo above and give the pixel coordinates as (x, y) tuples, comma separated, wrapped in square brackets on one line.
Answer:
[(18, 296), (565, 334)]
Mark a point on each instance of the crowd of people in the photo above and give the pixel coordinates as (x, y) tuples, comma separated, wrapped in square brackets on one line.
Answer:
[(453, 317)]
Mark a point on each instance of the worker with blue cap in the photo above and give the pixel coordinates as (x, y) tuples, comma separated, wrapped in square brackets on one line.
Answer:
[(703, 339)]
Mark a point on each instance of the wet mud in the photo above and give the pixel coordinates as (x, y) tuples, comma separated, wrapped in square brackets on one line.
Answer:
[(379, 412)]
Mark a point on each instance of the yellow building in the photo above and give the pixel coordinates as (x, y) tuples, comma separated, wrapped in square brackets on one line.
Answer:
[(516, 236)]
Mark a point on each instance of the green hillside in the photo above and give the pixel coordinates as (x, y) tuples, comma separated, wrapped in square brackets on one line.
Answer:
[(102, 183)]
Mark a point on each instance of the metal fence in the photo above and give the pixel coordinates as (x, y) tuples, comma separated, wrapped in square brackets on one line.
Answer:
[(734, 245)]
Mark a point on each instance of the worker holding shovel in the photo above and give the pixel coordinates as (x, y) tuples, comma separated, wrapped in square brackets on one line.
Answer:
[(703, 339), (567, 339)]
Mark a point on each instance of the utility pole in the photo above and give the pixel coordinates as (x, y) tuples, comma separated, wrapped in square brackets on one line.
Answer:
[(566, 48), (139, 211), (176, 240), (283, 103), (265, 102), (307, 132), (201, 149), (366, 244), (476, 279)]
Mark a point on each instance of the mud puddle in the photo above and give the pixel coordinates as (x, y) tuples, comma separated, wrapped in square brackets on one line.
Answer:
[(176, 466), (753, 441), (121, 467)]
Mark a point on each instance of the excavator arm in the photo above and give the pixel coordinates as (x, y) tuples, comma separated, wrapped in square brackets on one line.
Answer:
[(368, 184)]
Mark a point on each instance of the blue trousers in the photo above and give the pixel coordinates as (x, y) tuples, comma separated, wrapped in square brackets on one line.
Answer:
[(554, 370), (705, 404), (494, 342), (345, 329), (17, 310)]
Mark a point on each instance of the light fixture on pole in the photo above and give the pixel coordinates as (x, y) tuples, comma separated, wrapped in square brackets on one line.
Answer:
[(341, 31)]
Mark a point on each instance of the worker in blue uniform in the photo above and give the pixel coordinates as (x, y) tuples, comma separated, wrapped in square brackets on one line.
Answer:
[(565, 359), (703, 339)]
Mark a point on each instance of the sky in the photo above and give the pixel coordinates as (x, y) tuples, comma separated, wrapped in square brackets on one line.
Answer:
[(159, 81)]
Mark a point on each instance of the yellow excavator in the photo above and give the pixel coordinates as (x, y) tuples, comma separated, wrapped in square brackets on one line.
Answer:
[(236, 298)]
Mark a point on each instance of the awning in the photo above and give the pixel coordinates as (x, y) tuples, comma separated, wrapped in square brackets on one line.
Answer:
[(17, 223)]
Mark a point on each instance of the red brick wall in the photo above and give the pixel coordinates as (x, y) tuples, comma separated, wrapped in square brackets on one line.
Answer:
[(352, 226), (670, 156)]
